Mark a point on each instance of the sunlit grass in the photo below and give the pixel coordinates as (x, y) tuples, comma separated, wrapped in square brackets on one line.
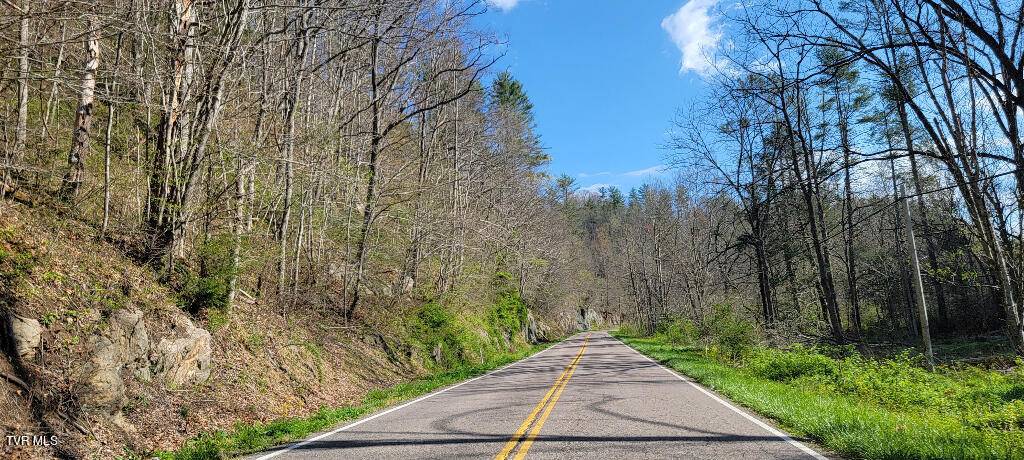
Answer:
[(861, 425)]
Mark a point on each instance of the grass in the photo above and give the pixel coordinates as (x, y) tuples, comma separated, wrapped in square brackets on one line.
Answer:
[(860, 408), (247, 438)]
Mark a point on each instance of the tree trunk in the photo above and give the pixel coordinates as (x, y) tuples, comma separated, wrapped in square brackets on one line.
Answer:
[(362, 248), (83, 115), (107, 140), (21, 130)]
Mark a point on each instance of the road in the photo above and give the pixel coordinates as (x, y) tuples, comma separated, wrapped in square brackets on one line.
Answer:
[(588, 397)]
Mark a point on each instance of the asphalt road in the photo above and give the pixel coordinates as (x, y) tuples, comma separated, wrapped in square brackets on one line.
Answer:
[(587, 397)]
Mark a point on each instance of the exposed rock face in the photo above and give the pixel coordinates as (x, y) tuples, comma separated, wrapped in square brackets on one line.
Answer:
[(185, 359), (531, 328), (536, 331), (25, 335), (408, 284), (587, 318), (104, 386), (124, 343), (182, 359)]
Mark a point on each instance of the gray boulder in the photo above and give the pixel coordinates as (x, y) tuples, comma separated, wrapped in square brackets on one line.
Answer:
[(124, 343), (184, 359), (25, 334)]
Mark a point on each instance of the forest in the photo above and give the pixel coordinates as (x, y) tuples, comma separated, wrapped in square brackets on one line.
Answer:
[(831, 130), (308, 178)]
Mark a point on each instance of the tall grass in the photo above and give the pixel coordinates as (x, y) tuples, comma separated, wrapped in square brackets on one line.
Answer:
[(861, 408)]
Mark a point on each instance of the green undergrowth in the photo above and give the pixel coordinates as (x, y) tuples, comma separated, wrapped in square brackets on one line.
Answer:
[(858, 407), (448, 336), (247, 438)]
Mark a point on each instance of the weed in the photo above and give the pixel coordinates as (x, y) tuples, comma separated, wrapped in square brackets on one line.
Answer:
[(680, 332), (207, 287)]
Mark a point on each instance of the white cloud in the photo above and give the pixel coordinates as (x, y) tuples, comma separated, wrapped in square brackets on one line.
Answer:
[(503, 5), (695, 34), (623, 180), (596, 188), (652, 171)]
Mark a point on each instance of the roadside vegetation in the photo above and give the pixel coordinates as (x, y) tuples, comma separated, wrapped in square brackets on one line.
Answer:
[(246, 438), (858, 407), (451, 343)]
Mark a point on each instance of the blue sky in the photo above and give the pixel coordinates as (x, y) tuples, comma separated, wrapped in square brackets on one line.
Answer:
[(605, 77)]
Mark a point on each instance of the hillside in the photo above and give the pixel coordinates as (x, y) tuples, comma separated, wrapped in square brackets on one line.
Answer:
[(103, 357)]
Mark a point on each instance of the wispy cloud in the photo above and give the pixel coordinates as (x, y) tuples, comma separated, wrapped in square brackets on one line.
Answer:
[(503, 5), (652, 171), (695, 34), (596, 188), (622, 180)]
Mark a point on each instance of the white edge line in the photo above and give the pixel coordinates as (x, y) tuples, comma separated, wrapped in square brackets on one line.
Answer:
[(769, 428), (393, 409)]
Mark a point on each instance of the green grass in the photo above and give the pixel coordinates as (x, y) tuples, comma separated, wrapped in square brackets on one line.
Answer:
[(248, 438), (860, 408)]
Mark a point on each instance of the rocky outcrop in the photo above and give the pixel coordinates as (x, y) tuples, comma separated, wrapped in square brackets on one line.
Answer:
[(125, 345), (536, 331), (587, 319), (25, 335), (183, 359)]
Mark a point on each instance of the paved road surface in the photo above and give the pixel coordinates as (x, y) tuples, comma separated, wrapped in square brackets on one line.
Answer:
[(588, 397)]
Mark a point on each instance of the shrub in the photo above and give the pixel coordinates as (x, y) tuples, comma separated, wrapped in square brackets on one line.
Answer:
[(682, 332), (629, 330), (785, 365), (508, 315), (208, 287), (440, 335), (731, 336)]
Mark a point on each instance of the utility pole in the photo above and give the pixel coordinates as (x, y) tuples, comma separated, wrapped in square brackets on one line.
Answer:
[(922, 310)]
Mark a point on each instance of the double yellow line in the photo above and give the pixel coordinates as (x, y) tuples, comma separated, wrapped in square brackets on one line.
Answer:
[(545, 405)]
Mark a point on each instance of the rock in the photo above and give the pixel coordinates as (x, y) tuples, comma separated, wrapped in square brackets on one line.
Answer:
[(438, 353), (26, 335), (587, 319), (104, 387), (186, 359), (125, 342), (532, 335), (128, 331), (407, 284)]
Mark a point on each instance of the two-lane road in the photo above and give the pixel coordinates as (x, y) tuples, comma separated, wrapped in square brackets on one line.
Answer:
[(587, 397)]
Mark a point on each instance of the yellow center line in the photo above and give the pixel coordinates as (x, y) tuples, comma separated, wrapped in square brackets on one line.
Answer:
[(548, 401)]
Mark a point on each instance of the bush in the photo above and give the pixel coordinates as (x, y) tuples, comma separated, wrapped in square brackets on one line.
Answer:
[(785, 365), (731, 336), (507, 316), (629, 330), (209, 286), (441, 336), (681, 332)]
